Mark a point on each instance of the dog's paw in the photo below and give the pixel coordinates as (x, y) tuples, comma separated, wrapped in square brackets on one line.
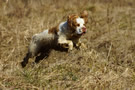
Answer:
[(65, 45), (23, 64), (81, 46), (68, 46)]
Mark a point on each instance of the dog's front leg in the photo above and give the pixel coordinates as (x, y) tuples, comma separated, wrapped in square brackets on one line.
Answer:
[(79, 44), (66, 43)]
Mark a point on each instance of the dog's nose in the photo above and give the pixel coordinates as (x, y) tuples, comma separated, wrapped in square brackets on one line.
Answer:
[(84, 29)]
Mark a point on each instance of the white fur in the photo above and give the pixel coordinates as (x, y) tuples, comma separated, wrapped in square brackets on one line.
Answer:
[(80, 21), (64, 34)]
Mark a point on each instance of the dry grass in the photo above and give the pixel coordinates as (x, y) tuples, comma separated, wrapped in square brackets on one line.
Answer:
[(107, 64)]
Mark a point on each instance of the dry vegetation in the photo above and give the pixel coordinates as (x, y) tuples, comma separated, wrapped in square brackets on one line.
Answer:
[(107, 64)]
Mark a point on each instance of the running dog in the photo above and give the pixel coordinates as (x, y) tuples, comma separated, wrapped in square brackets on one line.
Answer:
[(67, 34)]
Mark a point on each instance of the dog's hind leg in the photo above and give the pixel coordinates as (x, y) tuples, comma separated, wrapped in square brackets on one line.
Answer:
[(33, 51), (25, 60), (44, 54)]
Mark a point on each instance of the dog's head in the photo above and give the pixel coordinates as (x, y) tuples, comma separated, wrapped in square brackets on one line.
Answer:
[(77, 23)]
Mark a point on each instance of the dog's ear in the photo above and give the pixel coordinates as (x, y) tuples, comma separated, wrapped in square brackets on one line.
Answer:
[(84, 15), (69, 20)]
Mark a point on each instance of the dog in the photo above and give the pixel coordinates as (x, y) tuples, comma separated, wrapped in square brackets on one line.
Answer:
[(67, 34)]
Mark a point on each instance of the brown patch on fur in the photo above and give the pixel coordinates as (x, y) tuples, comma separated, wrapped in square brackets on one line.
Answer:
[(84, 15), (72, 21), (53, 30)]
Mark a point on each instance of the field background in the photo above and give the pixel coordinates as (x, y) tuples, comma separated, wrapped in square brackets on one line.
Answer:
[(107, 64)]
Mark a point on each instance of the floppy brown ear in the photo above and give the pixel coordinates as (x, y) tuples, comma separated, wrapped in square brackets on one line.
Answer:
[(84, 15), (69, 20), (68, 17)]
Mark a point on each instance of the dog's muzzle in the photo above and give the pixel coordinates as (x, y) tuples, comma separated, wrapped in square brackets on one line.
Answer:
[(84, 30)]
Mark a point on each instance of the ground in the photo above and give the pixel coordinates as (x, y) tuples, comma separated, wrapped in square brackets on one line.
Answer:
[(108, 63)]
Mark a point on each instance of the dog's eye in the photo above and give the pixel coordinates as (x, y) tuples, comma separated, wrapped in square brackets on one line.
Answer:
[(78, 24)]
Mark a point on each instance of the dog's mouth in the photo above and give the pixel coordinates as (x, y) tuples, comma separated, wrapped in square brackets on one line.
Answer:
[(83, 33)]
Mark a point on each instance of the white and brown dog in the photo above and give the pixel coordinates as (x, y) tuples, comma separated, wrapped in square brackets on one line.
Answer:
[(67, 34)]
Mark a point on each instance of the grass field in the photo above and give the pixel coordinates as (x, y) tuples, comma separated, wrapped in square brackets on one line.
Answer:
[(108, 63)]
